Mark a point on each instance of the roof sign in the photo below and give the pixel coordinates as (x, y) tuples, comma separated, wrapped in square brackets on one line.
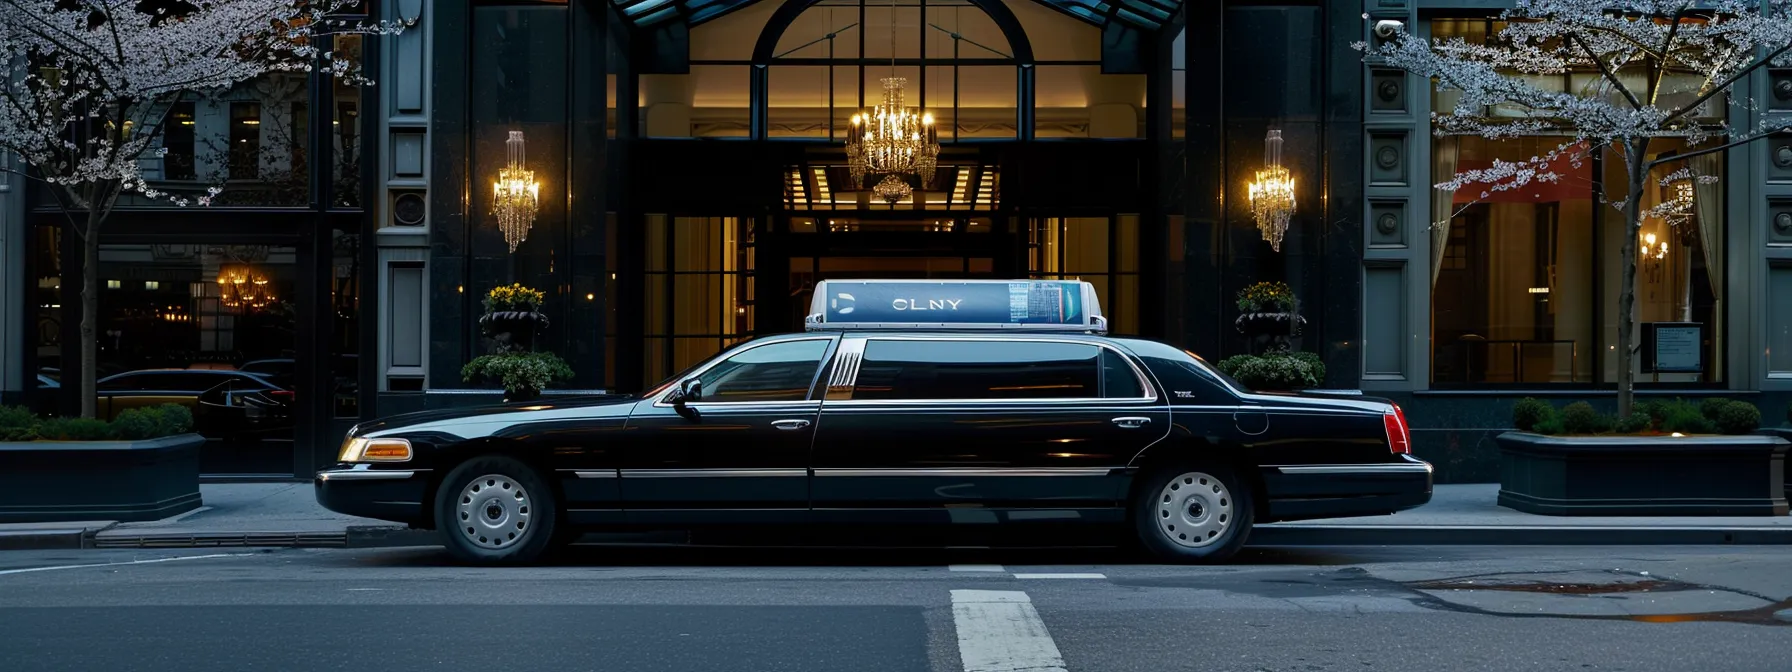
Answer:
[(1060, 305)]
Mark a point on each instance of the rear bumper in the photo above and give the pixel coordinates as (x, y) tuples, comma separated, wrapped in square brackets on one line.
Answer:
[(1301, 492), (386, 494)]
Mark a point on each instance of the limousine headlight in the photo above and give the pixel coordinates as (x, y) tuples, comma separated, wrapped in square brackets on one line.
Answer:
[(375, 450)]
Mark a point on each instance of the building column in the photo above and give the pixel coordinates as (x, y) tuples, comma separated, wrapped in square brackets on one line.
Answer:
[(15, 384)]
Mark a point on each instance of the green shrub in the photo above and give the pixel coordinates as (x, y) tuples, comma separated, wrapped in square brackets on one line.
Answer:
[(18, 433), (518, 371), (1711, 407), (1312, 361), (155, 422), (1736, 417), (1686, 419), (1530, 411), (137, 424), (74, 429), (1580, 418), (1275, 372), (1635, 423), (1550, 426), (1656, 411), (17, 417), (176, 419)]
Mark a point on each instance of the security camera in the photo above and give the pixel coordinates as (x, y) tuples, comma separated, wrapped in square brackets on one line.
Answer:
[(1388, 28)]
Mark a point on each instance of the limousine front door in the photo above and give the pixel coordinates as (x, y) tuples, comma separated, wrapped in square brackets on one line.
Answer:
[(737, 453)]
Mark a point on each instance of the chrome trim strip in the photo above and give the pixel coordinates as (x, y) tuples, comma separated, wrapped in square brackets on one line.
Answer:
[(714, 473), (1420, 468), (365, 475), (595, 473), (967, 471)]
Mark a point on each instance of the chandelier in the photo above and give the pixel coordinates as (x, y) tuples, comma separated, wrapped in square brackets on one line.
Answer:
[(516, 195), (1272, 193), (891, 139), (241, 286)]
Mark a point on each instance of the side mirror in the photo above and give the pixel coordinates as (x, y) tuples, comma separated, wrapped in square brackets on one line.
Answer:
[(688, 391)]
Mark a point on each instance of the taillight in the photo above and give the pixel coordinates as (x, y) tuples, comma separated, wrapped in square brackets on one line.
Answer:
[(282, 395), (1399, 437)]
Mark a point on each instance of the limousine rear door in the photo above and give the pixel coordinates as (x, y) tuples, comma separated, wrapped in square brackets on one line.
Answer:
[(933, 429)]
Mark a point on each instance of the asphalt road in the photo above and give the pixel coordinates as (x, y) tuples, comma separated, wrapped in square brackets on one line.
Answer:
[(809, 610)]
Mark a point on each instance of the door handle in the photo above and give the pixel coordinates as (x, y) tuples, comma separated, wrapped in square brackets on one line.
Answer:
[(790, 424), (1131, 422)]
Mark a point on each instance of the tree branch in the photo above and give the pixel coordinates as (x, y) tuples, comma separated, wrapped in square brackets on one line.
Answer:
[(1711, 150), (1667, 52), (1609, 75), (1725, 86)]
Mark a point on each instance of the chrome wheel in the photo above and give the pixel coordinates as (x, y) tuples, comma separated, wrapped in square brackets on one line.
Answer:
[(493, 512), (1194, 510)]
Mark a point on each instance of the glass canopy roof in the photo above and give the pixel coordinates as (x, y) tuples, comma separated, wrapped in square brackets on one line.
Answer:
[(1143, 14)]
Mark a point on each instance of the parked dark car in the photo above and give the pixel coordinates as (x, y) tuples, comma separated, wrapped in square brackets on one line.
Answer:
[(955, 403), (224, 402)]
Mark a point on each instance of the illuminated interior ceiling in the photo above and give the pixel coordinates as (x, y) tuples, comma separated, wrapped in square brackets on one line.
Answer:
[(1148, 15)]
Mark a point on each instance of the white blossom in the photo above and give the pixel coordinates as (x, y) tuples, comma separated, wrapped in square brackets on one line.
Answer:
[(91, 82)]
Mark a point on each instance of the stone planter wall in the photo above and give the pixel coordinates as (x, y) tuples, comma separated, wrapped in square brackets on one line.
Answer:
[(1643, 476), (49, 481), (1786, 471)]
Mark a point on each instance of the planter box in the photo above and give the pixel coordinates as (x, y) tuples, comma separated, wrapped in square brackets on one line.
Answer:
[(50, 481), (1643, 476), (1786, 472)]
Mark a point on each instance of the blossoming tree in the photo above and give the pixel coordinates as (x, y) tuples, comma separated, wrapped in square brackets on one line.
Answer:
[(1659, 67), (90, 86)]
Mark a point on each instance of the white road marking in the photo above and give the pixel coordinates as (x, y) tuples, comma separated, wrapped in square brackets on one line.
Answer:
[(974, 568), (4, 572), (1061, 575), (1000, 631)]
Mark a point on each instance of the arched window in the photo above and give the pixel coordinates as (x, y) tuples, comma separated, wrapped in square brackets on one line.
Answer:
[(824, 60)]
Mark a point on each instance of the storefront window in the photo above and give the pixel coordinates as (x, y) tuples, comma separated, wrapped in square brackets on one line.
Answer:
[(700, 289), (1525, 281), (209, 327), (1104, 251), (345, 129), (1511, 271)]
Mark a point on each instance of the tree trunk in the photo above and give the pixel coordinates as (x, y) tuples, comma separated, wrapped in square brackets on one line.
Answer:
[(1633, 227), (90, 310)]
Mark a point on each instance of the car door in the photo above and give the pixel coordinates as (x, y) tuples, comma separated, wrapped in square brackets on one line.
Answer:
[(737, 453), (979, 430)]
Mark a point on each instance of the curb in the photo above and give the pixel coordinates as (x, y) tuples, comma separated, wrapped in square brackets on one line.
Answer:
[(1515, 535), (43, 540)]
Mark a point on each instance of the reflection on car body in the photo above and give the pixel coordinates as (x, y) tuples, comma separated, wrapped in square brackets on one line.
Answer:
[(994, 403)]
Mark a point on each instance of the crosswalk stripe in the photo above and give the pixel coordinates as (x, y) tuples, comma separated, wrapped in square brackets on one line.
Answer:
[(974, 568), (1061, 575), (1000, 631)]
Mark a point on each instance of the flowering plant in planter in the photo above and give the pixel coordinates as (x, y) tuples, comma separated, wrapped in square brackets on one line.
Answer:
[(514, 298), (1266, 297), (512, 319)]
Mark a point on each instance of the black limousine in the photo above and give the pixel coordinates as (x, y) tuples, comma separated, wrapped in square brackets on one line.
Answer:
[(948, 403)]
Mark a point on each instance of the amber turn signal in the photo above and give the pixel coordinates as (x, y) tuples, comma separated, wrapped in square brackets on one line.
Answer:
[(375, 450)]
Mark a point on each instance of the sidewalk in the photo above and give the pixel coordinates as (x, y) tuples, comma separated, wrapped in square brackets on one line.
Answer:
[(286, 515)]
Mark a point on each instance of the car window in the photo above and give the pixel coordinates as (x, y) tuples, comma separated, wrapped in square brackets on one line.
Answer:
[(1118, 381), (121, 383), (775, 372), (953, 369)]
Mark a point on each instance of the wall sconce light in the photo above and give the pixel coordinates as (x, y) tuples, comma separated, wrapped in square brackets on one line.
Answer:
[(1272, 193), (516, 195), (1654, 255)]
